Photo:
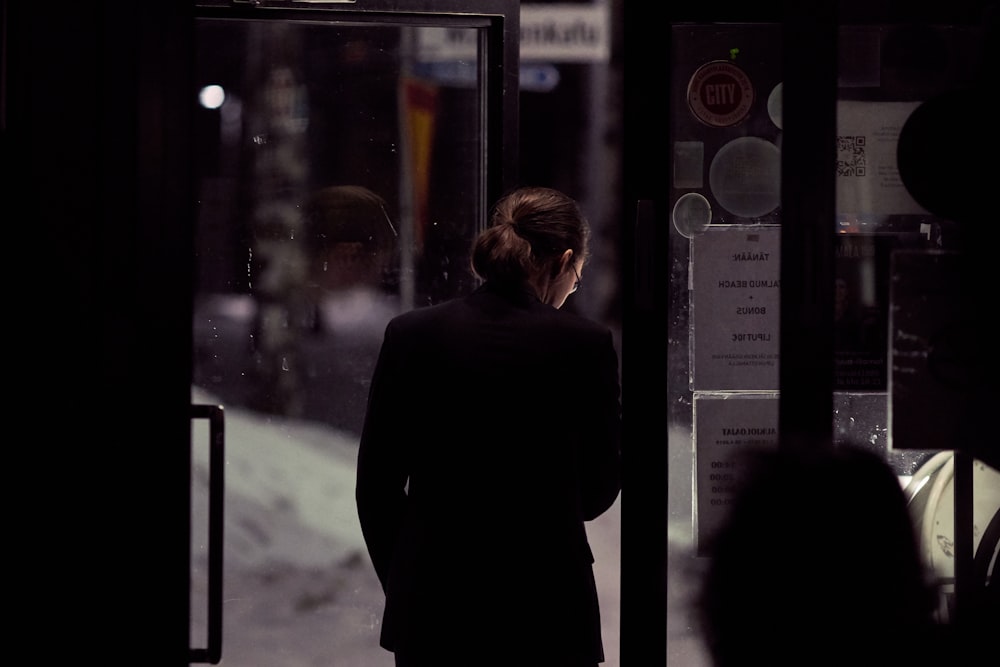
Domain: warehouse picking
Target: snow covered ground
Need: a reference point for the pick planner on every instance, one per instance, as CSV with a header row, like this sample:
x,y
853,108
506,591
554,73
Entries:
x,y
299,590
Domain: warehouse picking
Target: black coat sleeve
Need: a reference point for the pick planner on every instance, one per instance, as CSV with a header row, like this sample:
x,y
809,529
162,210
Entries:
x,y
601,466
380,490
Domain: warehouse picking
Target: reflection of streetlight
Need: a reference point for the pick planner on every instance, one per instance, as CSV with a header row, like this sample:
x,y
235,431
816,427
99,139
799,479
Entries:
x,y
212,96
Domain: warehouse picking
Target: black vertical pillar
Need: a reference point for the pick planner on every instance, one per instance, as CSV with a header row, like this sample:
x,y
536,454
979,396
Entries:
x,y
93,112
644,337
807,229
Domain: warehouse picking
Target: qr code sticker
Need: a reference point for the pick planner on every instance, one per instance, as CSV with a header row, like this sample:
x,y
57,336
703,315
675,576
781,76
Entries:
x,y
851,155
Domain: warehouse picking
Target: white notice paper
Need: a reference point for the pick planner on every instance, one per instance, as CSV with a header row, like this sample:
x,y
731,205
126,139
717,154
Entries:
x,y
736,286
868,181
724,426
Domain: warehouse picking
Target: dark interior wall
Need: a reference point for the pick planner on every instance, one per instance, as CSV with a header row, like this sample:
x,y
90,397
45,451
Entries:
x,y
93,199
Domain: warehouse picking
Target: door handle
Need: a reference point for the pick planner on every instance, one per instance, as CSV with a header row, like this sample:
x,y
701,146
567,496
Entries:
x,y
216,495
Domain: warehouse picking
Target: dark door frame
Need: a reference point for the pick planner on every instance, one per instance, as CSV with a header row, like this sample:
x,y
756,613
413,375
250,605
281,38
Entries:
x,y
96,146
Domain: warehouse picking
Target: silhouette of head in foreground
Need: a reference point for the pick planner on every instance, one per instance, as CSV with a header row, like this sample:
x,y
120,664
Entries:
x,y
817,564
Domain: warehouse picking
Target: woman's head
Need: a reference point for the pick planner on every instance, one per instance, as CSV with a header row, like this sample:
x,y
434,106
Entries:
x,y
537,236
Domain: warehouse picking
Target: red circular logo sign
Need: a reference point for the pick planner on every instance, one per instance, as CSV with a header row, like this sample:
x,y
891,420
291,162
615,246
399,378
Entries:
x,y
720,94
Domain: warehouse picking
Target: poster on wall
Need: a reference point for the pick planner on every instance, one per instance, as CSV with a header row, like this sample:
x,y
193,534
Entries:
x,y
735,296
724,426
868,181
931,363
861,312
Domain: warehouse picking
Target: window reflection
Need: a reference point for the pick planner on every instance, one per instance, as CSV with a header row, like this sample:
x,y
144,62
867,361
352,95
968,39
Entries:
x,y
330,199
885,73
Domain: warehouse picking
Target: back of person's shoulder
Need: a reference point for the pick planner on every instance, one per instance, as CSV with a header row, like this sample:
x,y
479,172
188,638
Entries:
x,y
582,322
423,316
579,327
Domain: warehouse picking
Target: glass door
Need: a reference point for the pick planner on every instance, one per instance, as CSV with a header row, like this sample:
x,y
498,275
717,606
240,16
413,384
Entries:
x,y
345,156
761,249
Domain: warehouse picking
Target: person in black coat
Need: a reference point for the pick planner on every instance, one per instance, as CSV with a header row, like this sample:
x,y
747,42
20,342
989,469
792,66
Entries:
x,y
492,434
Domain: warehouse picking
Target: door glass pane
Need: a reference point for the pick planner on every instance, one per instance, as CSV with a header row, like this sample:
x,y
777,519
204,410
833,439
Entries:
x,y
725,242
339,183
909,255
895,281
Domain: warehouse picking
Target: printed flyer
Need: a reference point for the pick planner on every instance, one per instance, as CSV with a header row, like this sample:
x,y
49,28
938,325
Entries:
x,y
931,366
735,296
861,312
868,179
725,425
